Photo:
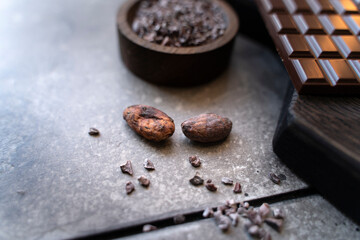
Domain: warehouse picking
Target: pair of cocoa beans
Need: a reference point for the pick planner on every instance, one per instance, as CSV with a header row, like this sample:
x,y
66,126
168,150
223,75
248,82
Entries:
x,y
155,125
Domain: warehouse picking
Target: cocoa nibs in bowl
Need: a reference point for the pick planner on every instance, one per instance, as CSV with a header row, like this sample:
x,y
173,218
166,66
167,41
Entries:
x,y
179,23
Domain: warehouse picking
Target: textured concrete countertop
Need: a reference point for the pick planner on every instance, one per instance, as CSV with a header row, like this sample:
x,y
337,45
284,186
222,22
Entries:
x,y
60,73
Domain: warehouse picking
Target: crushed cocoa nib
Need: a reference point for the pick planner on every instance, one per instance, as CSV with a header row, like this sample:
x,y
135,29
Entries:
x,y
231,203
196,180
278,213
210,186
254,217
127,168
275,223
264,210
237,188
148,165
148,228
129,187
223,222
254,231
94,132
179,23
227,181
195,161
144,181
234,219
208,212
230,211
274,178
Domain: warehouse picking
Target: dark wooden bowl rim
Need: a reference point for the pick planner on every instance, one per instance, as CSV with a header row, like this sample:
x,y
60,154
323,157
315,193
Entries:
x,y
125,28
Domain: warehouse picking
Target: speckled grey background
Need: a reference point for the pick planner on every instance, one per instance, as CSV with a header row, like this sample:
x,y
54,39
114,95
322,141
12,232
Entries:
x,y
60,74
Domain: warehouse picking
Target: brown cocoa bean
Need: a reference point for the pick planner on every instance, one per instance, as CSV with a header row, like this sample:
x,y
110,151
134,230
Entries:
x,y
207,127
149,122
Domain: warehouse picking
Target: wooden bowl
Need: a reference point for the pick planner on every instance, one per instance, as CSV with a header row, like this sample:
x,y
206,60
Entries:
x,y
174,66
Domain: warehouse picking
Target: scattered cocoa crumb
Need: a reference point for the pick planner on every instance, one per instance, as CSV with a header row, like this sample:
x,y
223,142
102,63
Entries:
x,y
149,228
234,218
237,188
274,178
196,180
210,186
227,181
231,203
208,212
223,222
144,181
127,168
195,161
179,219
148,165
246,194
93,132
230,211
129,187
278,213
264,210
275,223
254,217
254,231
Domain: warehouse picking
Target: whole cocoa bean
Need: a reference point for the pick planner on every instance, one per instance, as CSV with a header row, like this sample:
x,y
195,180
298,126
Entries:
x,y
149,122
207,127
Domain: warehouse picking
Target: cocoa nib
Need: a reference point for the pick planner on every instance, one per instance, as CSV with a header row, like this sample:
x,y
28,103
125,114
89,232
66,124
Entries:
x,y
274,178
94,132
264,210
148,228
275,223
254,217
278,213
227,181
223,222
149,165
210,186
127,168
179,219
144,181
179,23
129,187
254,231
195,161
246,205
234,218
196,180
237,188
208,212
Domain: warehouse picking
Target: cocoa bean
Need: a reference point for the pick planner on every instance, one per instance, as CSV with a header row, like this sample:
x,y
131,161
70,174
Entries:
x,y
207,127
149,122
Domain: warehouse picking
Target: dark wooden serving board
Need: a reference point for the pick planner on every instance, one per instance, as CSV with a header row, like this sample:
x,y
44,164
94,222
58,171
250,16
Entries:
x,y
319,139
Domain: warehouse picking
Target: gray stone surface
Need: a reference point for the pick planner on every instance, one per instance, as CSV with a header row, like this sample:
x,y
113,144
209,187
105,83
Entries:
x,y
306,218
60,74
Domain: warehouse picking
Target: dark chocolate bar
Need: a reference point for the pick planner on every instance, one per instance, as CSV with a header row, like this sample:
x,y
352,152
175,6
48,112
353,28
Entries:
x,y
318,41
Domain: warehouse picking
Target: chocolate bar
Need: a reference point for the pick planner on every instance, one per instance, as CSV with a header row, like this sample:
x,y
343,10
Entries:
x,y
318,41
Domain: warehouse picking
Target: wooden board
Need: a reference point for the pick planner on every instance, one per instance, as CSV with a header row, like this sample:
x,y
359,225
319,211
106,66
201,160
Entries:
x,y
319,139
